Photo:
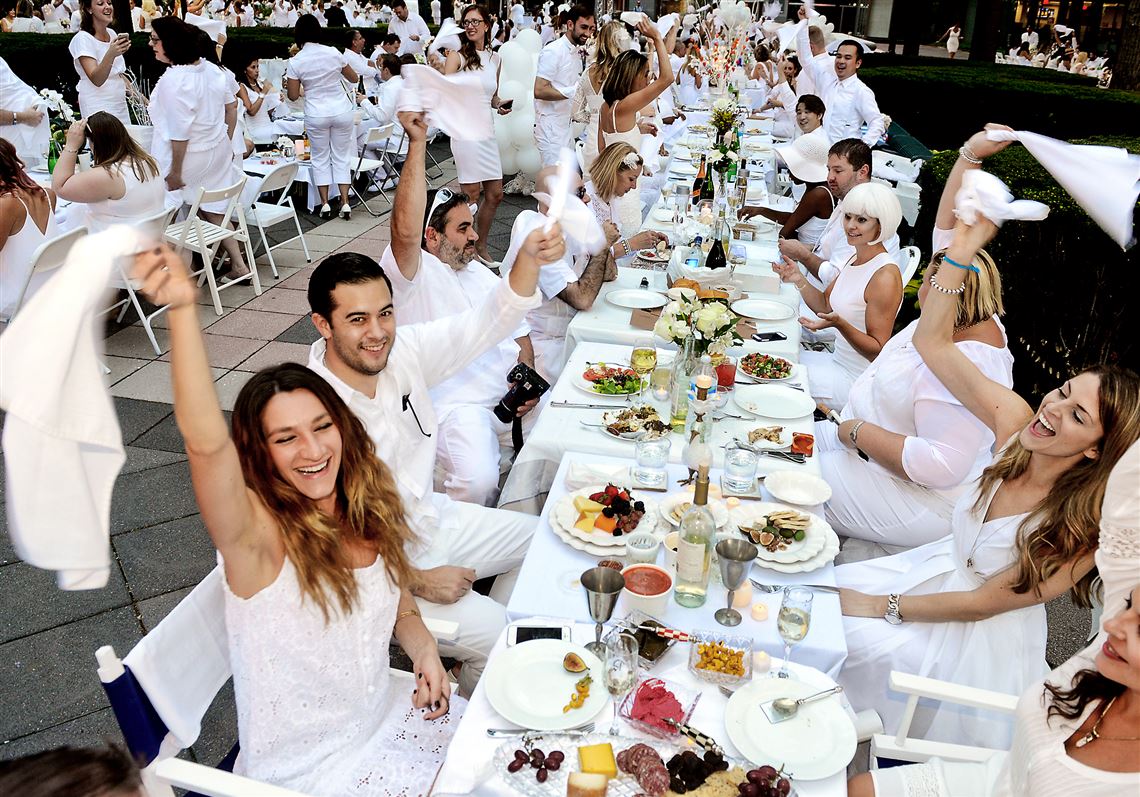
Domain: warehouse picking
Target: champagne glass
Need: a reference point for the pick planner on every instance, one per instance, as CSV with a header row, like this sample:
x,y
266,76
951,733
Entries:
x,y
620,663
793,621
643,361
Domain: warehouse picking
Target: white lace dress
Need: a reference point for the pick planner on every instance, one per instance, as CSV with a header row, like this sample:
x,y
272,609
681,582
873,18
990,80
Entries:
x,y
317,709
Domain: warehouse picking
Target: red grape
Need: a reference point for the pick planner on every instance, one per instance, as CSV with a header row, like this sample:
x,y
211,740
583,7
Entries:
x,y
768,773
516,765
541,775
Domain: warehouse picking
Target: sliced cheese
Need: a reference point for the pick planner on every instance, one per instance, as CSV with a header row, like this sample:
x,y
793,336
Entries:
x,y
598,759
586,784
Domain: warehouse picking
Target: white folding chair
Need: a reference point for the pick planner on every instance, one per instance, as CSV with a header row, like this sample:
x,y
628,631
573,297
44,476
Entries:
x,y
162,689
266,214
913,257
376,138
908,194
580,151
153,228
205,238
48,256
901,747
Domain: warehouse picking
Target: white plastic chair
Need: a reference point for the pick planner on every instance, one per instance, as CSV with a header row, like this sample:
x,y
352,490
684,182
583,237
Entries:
x,y
153,228
170,677
901,747
913,257
266,214
908,195
48,256
377,138
205,238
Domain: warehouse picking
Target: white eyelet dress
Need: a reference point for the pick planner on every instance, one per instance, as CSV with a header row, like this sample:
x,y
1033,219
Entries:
x,y
478,161
317,709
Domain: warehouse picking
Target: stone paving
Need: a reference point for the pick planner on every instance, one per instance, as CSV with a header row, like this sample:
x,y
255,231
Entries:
x,y
49,692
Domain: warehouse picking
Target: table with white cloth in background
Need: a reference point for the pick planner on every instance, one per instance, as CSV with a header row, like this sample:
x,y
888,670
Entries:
x,y
548,582
259,164
468,768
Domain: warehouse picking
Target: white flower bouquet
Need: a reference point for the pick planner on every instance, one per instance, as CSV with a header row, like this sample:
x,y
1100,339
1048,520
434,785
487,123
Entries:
x,y
709,321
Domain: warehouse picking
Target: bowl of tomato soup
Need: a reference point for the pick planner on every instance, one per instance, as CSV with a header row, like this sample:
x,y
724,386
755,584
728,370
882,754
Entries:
x,y
647,588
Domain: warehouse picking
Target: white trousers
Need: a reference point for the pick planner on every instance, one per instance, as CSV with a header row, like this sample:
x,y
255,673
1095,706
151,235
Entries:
x,y
333,146
551,134
491,542
872,505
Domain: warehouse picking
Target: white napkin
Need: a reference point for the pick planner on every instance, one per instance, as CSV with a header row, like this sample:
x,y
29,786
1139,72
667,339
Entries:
x,y
983,194
666,23
632,18
689,20
580,227
454,103
787,33
1105,181
215,28
62,445
580,475
648,150
448,36
773,10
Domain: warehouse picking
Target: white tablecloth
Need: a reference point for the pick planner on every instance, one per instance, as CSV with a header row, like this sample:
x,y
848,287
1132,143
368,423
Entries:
x,y
548,585
468,768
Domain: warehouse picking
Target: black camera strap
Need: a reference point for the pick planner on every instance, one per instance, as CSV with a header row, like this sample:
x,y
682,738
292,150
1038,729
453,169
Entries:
x,y
516,436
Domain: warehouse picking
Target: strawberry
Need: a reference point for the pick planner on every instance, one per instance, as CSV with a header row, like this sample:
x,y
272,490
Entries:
x,y
611,490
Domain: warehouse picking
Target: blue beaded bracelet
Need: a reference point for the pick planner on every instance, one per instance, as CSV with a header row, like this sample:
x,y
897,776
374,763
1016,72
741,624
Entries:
x,y
972,268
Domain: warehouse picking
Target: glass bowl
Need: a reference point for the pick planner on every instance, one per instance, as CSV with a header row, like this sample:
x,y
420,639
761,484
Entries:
x,y
686,696
734,644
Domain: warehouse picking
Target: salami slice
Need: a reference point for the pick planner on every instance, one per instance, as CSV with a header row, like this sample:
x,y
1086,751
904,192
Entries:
x,y
655,780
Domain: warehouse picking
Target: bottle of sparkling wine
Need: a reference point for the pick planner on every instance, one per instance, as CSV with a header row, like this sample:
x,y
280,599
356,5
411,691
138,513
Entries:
x,y
694,551
718,257
699,182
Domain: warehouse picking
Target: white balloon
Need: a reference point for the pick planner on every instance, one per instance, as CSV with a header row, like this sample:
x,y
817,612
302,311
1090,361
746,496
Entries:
x,y
521,125
513,90
509,160
530,40
516,61
529,161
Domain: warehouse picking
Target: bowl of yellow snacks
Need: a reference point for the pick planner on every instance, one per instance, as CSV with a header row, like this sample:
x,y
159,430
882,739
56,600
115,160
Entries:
x,y
720,658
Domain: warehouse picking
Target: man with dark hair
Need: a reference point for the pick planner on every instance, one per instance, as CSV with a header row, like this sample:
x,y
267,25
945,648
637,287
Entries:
x,y
385,378
390,43
850,103
560,65
410,27
335,17
365,68
80,771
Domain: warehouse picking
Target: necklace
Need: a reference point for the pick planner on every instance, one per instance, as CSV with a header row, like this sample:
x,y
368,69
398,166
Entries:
x,y
969,326
1093,733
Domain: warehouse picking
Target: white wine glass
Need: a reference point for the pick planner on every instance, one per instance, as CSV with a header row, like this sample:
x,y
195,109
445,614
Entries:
x,y
643,360
620,665
793,621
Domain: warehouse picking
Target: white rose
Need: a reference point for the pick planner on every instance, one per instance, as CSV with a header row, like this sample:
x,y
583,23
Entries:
x,y
708,319
680,329
663,329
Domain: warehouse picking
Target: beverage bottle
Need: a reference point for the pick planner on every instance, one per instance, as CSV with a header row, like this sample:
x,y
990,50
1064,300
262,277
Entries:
x,y
708,188
699,182
703,378
694,550
718,257
679,385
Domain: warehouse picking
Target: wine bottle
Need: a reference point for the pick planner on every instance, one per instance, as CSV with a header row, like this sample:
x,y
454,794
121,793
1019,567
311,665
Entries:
x,y
718,257
708,189
699,182
694,549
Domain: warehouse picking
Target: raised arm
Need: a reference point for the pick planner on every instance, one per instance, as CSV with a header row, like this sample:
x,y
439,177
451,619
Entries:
x,y
978,148
411,197
94,185
643,97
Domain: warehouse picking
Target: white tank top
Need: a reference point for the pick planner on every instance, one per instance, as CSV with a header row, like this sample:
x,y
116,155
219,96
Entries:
x,y
810,231
847,300
631,136
16,259
143,199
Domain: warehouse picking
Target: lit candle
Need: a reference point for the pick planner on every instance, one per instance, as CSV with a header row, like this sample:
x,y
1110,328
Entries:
x,y
743,596
759,612
761,662
705,381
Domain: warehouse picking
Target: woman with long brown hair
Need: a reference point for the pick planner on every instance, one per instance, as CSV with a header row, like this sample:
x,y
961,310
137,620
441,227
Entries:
x,y
27,219
969,608
612,40
477,163
124,187
312,535
97,52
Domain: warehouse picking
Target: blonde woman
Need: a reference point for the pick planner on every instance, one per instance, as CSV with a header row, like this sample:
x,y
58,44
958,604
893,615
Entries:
x,y
614,175
612,41
145,14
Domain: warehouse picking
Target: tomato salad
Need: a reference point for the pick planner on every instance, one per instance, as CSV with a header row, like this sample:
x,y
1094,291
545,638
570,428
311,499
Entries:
x,y
612,380
764,366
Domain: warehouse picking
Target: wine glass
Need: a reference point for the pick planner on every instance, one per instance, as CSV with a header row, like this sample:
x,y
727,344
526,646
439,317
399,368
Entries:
x,y
602,586
793,621
643,360
620,664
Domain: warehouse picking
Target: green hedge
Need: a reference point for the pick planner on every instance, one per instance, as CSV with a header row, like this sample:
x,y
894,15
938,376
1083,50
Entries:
x,y
1069,289
941,103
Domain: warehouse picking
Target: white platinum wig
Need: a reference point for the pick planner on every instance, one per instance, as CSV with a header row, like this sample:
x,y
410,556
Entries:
x,y
875,201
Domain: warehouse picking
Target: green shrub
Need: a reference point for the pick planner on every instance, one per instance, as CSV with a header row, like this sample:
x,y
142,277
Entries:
x,y
941,104
1068,290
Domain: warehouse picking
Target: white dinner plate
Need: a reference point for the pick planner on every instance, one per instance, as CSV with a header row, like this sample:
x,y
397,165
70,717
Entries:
x,y
815,744
765,380
578,545
798,487
565,513
807,548
765,445
652,255
683,169
528,686
825,556
636,299
773,401
719,509
582,383
663,215
763,309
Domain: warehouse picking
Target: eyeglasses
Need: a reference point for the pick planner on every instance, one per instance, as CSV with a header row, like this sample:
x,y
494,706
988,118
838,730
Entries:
x,y
154,39
473,23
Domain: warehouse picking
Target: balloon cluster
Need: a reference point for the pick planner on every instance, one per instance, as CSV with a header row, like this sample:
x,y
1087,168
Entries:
x,y
514,132
734,14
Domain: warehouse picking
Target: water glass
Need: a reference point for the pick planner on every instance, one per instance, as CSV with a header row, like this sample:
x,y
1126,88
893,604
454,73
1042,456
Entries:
x,y
651,457
740,469
641,548
620,665
737,257
793,621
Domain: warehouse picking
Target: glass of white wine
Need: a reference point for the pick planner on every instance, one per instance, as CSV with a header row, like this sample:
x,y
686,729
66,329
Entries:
x,y
643,360
620,664
793,621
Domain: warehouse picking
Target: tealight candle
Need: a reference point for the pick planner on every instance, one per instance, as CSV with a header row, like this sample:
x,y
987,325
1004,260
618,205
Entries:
x,y
704,380
761,661
759,612
743,596
731,503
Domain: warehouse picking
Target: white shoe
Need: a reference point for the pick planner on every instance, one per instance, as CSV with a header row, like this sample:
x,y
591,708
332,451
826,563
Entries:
x,y
390,183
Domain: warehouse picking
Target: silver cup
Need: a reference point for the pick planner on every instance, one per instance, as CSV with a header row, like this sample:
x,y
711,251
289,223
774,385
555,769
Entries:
x,y
603,586
735,557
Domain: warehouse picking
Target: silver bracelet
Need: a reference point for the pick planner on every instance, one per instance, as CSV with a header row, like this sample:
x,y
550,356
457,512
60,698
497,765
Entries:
x,y
968,156
934,284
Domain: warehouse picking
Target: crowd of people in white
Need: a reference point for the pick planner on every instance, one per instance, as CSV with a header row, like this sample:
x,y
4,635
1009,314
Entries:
x,y
356,495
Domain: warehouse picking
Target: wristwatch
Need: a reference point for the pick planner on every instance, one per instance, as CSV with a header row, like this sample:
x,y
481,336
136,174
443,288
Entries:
x,y
893,616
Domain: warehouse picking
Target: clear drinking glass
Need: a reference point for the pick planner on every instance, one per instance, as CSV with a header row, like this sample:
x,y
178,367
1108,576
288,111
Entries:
x,y
643,360
793,621
737,257
651,457
620,664
740,469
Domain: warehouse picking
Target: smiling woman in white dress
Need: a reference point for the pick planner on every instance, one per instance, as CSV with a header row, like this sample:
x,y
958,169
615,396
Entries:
x,y
259,100
311,536
969,608
612,40
480,171
97,52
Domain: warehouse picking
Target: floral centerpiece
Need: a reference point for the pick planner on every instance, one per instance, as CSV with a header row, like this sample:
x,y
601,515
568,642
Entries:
x,y
723,117
708,321
60,117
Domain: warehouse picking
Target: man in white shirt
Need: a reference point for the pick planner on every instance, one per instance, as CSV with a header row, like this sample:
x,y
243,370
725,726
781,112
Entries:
x,y
850,103
560,65
410,27
435,11
384,376
442,279
365,68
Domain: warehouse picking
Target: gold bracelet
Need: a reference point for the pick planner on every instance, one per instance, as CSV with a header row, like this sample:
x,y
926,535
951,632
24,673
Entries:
x,y
408,613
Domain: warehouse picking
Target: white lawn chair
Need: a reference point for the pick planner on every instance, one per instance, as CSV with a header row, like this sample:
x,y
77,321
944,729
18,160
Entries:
x,y
901,747
377,138
913,257
266,214
48,256
160,692
152,228
205,238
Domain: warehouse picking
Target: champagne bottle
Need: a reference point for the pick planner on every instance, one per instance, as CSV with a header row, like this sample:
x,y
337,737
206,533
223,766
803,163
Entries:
x,y
708,190
694,550
699,182
718,257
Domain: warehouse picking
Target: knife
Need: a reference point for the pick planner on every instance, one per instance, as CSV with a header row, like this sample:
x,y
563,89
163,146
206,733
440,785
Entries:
x,y
578,406
703,740
515,733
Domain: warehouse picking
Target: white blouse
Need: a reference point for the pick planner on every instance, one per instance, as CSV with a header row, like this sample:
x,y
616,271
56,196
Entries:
x,y
189,104
112,95
319,67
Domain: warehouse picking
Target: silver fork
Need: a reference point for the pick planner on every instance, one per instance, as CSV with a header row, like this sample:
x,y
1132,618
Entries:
x,y
500,733
770,589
